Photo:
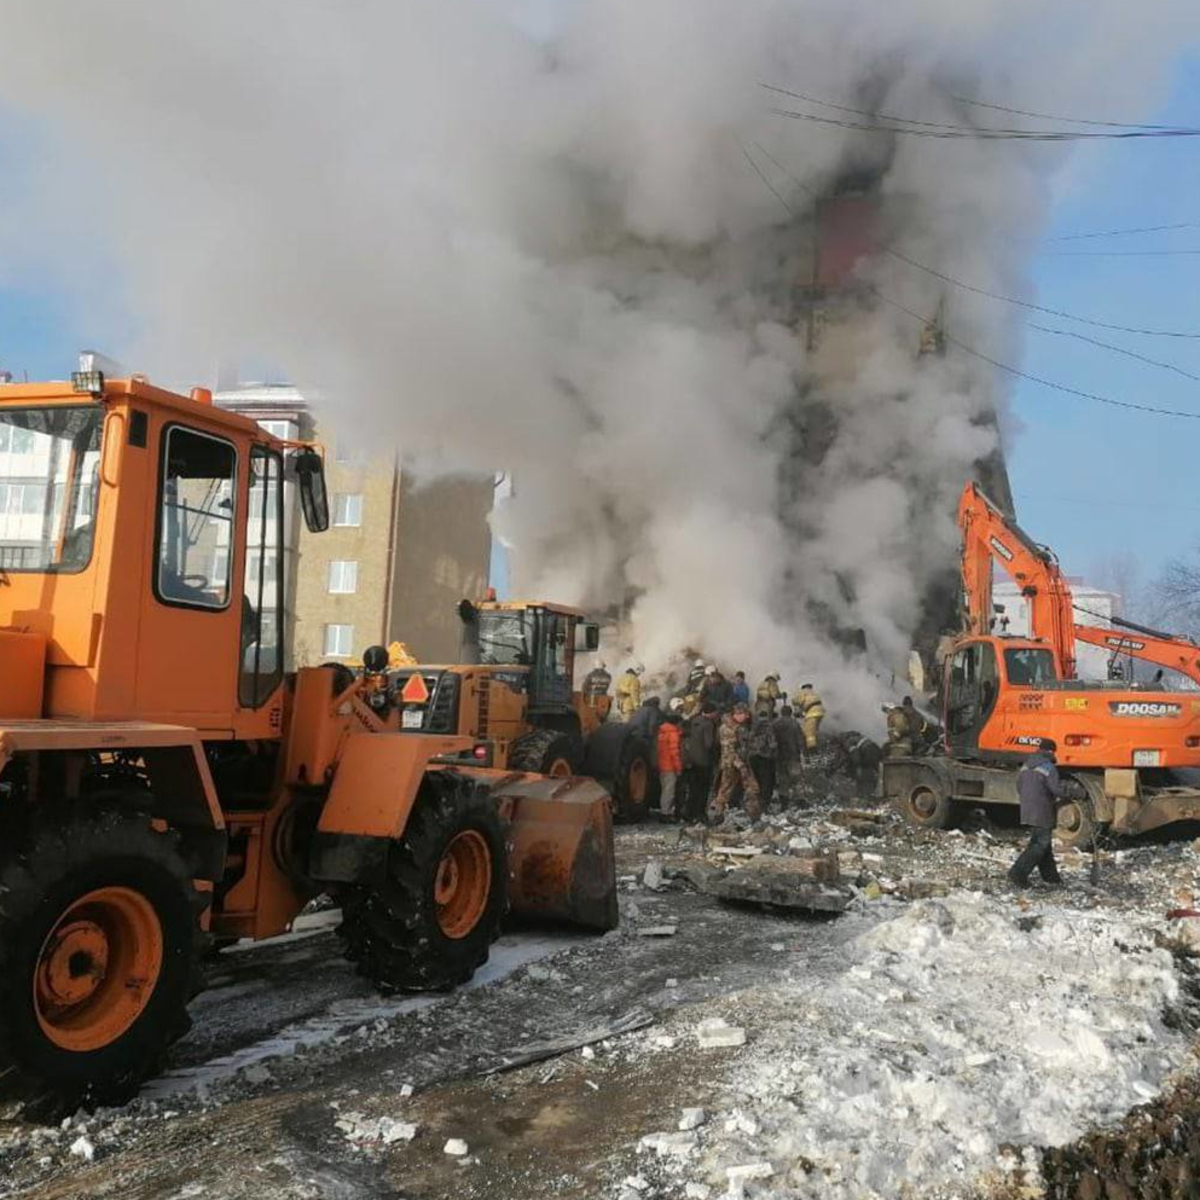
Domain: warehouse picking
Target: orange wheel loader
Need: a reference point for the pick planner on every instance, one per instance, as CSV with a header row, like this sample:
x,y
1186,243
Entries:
x,y
1119,741
164,783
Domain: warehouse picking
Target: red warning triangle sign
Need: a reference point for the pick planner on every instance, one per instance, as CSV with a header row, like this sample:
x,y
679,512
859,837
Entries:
x,y
415,691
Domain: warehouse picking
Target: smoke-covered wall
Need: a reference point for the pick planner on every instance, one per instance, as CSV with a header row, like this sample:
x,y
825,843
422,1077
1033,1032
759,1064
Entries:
x,y
540,245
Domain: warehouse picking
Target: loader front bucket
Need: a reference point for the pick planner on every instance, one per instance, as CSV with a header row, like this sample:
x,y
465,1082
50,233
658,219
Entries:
x,y
562,865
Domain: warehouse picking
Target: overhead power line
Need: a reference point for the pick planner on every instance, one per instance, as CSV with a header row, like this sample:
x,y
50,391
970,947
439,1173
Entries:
x,y
1082,337
1177,253
884,248
1079,237
876,122
1040,116
1008,369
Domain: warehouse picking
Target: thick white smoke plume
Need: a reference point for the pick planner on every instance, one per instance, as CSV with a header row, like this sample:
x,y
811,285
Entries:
x,y
537,244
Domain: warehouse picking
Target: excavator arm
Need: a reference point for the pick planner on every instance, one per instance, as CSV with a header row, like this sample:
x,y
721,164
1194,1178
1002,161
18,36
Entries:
x,y
1149,645
989,536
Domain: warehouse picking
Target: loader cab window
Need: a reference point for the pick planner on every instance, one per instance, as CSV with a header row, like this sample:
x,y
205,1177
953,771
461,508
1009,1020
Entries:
x,y
1027,667
550,680
49,484
262,598
504,639
195,521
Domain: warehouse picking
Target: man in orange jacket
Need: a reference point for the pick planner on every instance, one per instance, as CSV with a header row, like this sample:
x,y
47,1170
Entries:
x,y
670,760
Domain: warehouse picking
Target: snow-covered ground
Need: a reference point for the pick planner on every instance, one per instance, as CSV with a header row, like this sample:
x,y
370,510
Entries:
x,y
919,1048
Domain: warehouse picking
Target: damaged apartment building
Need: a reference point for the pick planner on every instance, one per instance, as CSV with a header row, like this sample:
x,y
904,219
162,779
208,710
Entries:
x,y
398,556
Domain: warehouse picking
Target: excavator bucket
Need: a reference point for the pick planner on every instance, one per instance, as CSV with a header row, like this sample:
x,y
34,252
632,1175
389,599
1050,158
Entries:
x,y
562,865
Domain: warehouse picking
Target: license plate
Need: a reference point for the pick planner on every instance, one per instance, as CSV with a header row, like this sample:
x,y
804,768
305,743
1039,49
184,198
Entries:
x,y
1147,758
414,718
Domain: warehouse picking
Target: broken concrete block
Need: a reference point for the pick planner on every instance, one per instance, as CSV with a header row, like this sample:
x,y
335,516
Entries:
x,y
741,1175
716,1033
740,1122
697,1191
692,1118
652,876
777,882
82,1148
658,930
922,889
406,1090
663,1041
455,1147
670,1145
588,1052
671,983
822,865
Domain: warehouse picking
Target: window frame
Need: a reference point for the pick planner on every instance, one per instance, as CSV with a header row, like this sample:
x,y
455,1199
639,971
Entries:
x,y
341,562
164,443
325,651
335,523
274,678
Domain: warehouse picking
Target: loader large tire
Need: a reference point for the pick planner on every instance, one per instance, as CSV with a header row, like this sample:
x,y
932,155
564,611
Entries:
x,y
624,763
100,950
425,922
545,752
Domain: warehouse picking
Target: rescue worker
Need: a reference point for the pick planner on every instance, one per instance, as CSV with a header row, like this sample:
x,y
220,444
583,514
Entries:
x,y
647,719
717,690
899,729
768,692
1039,786
812,713
733,738
597,682
695,677
789,742
741,689
670,761
699,749
764,752
629,692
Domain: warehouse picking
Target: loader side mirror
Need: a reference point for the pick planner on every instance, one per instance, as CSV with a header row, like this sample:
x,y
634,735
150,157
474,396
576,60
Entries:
x,y
591,634
468,614
314,498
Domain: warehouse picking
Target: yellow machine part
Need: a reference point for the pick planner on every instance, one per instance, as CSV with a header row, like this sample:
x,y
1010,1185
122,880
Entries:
x,y
23,672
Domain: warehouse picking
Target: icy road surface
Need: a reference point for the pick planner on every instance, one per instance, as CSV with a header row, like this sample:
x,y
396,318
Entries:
x,y
904,1047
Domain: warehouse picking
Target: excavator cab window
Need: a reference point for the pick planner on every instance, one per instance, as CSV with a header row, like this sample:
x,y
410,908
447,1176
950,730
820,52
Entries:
x,y
1029,667
971,696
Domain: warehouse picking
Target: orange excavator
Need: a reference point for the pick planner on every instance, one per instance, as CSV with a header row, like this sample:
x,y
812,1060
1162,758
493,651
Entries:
x,y
1002,694
1126,639
165,781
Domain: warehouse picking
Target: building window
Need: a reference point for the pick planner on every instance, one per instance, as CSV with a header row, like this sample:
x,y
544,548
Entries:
x,y
347,509
339,641
343,577
284,430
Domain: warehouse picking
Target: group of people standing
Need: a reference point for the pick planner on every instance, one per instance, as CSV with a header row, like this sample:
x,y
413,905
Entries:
x,y
714,739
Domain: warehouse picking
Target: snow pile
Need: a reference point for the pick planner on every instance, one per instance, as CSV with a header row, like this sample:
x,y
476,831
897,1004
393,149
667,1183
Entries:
x,y
961,1026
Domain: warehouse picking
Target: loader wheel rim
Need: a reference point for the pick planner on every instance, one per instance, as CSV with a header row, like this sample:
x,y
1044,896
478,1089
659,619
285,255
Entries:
x,y
639,780
560,768
1070,818
98,968
463,883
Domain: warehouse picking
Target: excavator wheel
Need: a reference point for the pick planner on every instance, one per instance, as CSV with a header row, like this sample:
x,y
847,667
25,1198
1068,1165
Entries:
x,y
545,752
100,946
927,805
1076,826
426,921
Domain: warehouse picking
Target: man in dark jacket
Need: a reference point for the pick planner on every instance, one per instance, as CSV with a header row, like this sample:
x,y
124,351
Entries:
x,y
717,691
1039,787
699,753
764,751
646,720
789,740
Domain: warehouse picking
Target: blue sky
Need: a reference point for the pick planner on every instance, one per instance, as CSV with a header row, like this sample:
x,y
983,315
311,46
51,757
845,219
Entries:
x,y
1092,481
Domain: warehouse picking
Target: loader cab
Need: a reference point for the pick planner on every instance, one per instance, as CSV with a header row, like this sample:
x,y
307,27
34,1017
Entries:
x,y
543,638
141,541
976,673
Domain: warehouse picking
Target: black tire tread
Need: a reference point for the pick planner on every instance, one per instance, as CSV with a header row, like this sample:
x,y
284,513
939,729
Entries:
x,y
60,843
536,750
389,928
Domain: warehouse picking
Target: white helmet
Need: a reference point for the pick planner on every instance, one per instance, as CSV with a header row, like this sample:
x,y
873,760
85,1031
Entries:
x,y
710,669
676,704
699,663
639,669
